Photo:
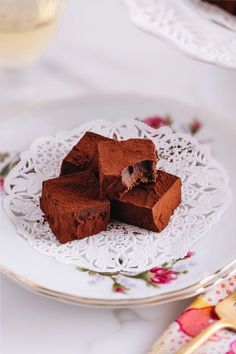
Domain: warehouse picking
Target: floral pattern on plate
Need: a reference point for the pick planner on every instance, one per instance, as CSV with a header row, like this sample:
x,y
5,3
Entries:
x,y
156,276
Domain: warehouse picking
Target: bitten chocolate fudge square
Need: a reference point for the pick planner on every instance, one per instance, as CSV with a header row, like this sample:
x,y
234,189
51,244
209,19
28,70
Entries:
x,y
72,208
84,155
149,206
125,164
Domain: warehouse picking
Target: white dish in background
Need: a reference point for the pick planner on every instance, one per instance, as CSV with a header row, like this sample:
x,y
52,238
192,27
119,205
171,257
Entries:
x,y
66,282
201,31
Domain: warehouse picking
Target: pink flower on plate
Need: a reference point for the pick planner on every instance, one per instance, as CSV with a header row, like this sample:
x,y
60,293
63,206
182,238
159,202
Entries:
x,y
195,126
156,121
119,290
162,275
189,254
1,183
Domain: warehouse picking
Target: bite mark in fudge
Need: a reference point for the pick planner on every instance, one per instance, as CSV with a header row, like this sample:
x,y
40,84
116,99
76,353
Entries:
x,y
72,208
149,206
125,164
83,156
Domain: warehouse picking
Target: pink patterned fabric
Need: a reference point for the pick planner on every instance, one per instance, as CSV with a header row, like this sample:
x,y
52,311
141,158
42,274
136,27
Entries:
x,y
194,319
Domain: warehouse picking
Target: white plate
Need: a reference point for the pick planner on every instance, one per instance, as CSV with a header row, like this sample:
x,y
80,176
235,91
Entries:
x,y
201,31
65,282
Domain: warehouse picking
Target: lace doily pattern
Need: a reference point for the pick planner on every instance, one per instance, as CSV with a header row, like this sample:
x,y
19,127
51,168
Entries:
x,y
185,24
122,247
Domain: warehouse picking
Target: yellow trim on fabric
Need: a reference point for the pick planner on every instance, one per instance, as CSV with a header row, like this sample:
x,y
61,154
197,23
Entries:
x,y
199,303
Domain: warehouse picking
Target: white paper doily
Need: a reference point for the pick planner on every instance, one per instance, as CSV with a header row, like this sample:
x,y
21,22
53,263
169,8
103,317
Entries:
x,y
205,194
182,24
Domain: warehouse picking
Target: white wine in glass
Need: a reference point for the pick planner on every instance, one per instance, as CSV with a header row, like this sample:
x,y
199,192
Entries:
x,y
26,27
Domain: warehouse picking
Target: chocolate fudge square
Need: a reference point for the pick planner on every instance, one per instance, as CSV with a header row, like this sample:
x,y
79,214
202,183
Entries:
x,y
72,208
125,164
149,206
83,156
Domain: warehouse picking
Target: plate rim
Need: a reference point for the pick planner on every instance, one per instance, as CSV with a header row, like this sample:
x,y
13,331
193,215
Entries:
x,y
189,291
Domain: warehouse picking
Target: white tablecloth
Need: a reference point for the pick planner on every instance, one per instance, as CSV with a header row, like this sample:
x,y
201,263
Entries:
x,y
97,49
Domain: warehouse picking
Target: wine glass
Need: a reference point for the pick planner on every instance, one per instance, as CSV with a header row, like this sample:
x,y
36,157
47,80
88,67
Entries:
x,y
26,27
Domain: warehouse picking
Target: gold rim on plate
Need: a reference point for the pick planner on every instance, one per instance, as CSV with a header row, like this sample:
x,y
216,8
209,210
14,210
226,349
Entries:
x,y
189,291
